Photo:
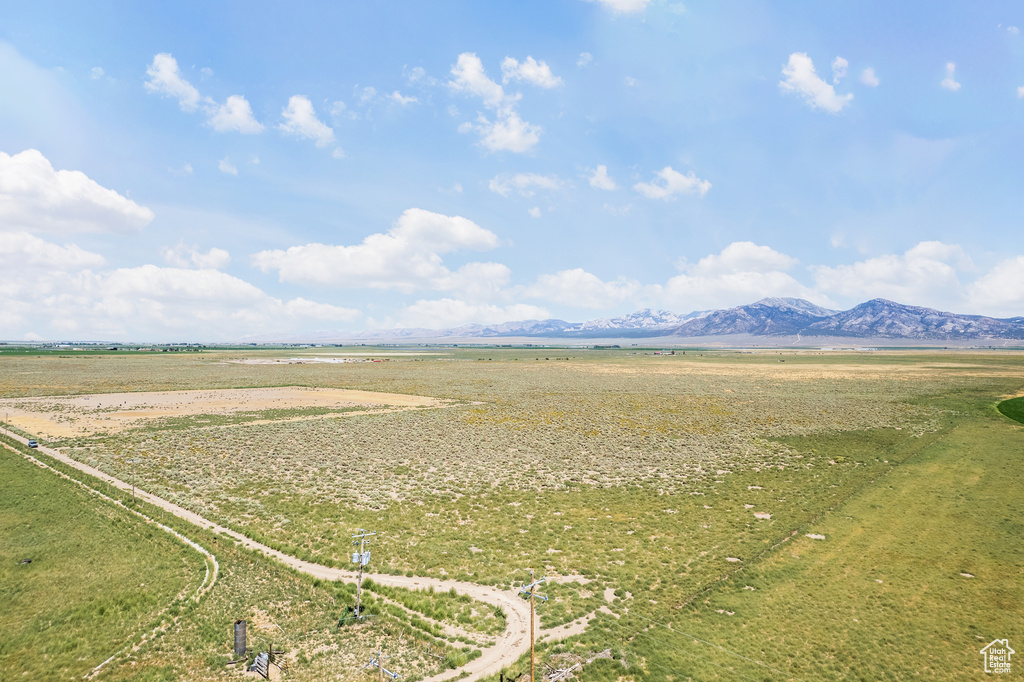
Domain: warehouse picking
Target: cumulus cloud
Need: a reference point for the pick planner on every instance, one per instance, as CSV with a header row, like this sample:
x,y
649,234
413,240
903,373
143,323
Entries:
x,y
534,212
67,298
584,60
166,79
300,121
97,72
23,250
449,312
234,115
36,198
406,258
508,131
800,77
949,82
1000,291
623,6
669,183
526,184
868,78
742,272
227,167
925,275
397,97
577,287
530,70
599,179
1012,30
184,256
839,69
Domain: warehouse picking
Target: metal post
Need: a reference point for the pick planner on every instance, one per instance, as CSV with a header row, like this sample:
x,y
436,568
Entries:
x,y
530,591
532,619
362,535
380,661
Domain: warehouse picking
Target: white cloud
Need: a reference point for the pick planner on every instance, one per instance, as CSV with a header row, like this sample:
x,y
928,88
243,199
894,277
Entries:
x,y
234,115
534,212
184,256
801,78
577,287
301,308
599,179
448,312
839,69
338,108
949,82
36,198
149,303
165,79
584,60
186,169
508,131
743,272
524,183
338,153
623,6
227,167
868,78
530,70
300,120
672,183
96,72
406,258
469,76
23,250
396,96
629,82
367,94
1012,30
1000,291
924,275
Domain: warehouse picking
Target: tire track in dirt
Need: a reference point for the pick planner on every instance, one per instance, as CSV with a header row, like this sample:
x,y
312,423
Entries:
x,y
509,646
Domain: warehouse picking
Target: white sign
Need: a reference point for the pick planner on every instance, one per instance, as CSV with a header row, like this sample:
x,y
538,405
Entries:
x,y
997,656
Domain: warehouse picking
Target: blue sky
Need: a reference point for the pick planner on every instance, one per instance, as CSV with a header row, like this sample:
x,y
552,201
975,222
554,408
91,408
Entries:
x,y
213,171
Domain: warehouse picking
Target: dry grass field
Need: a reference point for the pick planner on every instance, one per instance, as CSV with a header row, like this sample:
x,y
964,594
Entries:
x,y
678,488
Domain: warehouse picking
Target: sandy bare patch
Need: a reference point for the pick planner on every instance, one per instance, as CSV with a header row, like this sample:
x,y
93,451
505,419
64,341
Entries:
x,y
816,536
80,415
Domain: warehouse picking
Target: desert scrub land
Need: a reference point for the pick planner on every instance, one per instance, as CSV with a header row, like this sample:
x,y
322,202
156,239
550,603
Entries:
x,y
661,483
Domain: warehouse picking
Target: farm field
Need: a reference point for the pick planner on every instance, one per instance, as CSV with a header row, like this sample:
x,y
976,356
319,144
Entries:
x,y
752,500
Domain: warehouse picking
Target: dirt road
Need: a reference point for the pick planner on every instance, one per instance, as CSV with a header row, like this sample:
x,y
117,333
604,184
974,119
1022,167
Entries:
x,y
507,649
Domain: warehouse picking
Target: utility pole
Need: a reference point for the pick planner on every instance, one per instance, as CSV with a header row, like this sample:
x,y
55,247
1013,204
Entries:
x,y
362,557
530,591
378,662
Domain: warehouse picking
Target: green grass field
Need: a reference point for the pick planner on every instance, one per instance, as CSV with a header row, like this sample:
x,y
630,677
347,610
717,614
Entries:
x,y
1013,408
98,575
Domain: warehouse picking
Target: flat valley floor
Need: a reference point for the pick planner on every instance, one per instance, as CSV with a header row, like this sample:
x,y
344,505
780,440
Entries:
x,y
766,515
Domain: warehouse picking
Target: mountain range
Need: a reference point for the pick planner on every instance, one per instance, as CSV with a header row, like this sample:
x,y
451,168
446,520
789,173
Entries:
x,y
770,317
